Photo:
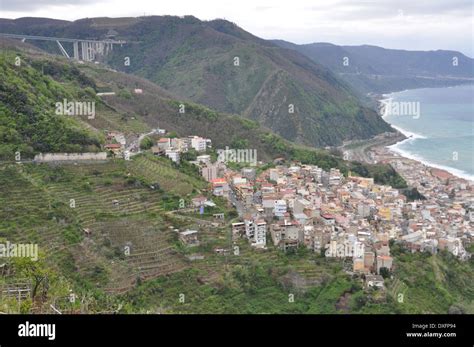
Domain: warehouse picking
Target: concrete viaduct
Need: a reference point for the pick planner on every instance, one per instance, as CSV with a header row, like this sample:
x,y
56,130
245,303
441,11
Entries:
x,y
85,50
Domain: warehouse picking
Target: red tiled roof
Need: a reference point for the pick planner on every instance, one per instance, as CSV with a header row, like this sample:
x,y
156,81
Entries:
x,y
113,145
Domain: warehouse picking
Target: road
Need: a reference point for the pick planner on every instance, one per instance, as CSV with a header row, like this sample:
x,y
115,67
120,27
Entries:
x,y
134,146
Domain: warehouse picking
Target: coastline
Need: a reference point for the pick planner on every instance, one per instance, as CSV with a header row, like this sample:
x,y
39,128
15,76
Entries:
x,y
410,136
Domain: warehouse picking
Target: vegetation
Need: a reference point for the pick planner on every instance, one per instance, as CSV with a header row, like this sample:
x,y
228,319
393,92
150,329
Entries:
x,y
28,121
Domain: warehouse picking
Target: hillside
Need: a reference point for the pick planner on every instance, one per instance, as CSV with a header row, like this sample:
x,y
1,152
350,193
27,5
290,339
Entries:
x,y
28,121
138,113
379,70
195,60
133,205
34,207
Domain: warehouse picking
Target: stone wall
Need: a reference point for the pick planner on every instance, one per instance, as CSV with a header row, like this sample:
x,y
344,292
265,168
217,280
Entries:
x,y
49,157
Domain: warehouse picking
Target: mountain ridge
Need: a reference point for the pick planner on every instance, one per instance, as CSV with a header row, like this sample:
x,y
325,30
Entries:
x,y
369,68
194,60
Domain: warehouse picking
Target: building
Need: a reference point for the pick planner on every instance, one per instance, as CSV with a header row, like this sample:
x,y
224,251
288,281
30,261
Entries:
x,y
173,155
220,187
260,236
179,144
164,143
274,175
115,148
358,265
279,208
189,237
384,261
204,159
238,229
249,229
209,172
372,281
249,173
198,143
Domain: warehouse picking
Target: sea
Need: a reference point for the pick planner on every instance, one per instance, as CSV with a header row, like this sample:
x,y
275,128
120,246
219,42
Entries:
x,y
438,124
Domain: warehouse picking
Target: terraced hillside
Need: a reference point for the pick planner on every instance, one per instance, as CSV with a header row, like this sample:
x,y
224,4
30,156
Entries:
x,y
93,214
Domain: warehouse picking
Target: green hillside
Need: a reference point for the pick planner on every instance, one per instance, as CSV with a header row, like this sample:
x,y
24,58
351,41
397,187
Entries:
x,y
28,122
196,61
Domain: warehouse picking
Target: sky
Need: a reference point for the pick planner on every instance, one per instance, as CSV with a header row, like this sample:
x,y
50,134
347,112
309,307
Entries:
x,y
402,24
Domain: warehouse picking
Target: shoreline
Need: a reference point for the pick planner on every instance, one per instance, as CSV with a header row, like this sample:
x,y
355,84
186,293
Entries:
x,y
410,136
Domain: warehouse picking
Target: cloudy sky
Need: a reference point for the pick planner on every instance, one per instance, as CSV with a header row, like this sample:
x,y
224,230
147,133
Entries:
x,y
406,24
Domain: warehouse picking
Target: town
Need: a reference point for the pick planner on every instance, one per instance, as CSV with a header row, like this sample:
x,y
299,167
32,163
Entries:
x,y
290,205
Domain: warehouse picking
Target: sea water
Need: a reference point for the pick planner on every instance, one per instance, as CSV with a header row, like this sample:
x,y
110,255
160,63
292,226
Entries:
x,y
439,124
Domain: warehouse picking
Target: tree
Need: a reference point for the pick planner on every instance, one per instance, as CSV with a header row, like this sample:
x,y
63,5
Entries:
x,y
146,143
384,272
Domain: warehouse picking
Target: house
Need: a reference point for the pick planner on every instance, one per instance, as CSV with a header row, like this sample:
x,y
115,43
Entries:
x,y
384,261
157,150
279,208
199,201
189,237
115,148
204,159
173,155
209,172
260,235
164,143
238,229
328,219
220,187
374,281
287,234
198,143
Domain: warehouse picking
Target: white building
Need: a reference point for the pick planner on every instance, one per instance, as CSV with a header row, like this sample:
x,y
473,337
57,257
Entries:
x,y
274,175
260,237
335,177
280,208
173,155
198,143
205,158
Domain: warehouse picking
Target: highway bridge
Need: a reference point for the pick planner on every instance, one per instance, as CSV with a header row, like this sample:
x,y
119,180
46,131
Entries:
x,y
83,49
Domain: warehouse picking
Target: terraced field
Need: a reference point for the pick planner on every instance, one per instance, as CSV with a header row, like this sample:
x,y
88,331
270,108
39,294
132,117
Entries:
x,y
160,170
54,206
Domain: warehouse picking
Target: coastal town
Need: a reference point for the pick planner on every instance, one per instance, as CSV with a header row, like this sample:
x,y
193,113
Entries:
x,y
291,205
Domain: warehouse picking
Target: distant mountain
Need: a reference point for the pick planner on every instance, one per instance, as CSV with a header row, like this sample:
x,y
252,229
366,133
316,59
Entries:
x,y
218,64
380,70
